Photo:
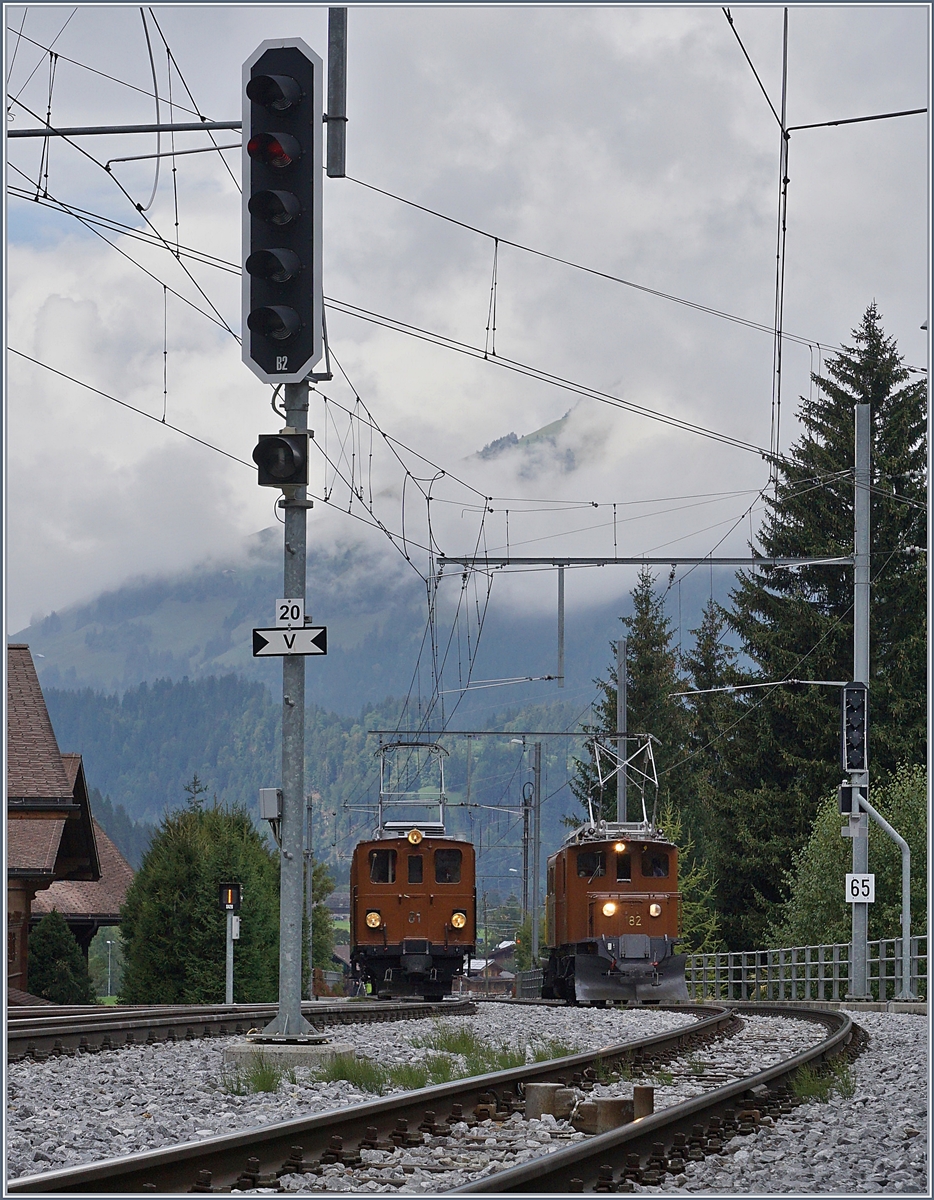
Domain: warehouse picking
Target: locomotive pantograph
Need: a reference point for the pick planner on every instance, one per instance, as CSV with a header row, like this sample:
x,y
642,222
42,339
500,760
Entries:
x,y
412,886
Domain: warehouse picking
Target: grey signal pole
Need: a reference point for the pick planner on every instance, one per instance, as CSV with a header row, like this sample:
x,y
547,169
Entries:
x,y
228,982
289,1020
622,683
536,847
859,974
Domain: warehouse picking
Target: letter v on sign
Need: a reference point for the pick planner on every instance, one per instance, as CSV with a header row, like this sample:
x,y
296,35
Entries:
x,y
277,643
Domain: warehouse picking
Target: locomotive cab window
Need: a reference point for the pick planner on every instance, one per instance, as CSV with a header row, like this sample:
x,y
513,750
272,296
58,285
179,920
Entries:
x,y
448,866
623,868
654,865
382,866
590,863
415,868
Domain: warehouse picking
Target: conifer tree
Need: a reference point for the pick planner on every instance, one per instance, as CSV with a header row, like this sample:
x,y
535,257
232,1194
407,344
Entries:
x,y
712,718
174,931
797,622
57,969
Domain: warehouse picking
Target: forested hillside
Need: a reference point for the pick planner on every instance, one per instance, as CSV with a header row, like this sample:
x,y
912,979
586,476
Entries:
x,y
141,749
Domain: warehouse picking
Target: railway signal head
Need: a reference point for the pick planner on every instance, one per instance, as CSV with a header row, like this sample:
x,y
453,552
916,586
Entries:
x,y
230,894
282,459
854,727
282,164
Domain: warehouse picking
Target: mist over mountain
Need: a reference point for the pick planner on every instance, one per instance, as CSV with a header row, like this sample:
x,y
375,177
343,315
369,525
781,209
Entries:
x,y
198,624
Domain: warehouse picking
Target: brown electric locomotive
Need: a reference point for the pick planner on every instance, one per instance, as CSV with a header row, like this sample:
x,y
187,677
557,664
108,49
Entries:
x,y
614,917
413,910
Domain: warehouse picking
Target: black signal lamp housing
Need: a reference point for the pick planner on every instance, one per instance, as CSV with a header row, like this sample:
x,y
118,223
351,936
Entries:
x,y
282,459
278,92
275,207
230,895
280,265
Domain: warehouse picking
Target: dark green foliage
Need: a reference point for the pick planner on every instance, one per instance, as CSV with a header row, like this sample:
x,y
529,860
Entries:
x,y
784,755
700,921
712,718
56,969
130,837
815,911
173,930
322,928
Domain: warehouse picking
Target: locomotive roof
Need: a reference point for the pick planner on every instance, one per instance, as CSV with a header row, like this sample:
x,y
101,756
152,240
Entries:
x,y
611,831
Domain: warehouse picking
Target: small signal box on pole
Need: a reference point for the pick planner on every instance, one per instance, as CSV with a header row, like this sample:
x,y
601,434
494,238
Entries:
x,y
230,895
283,152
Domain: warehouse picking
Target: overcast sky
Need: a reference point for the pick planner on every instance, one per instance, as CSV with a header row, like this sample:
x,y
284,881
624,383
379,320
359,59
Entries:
x,y
631,140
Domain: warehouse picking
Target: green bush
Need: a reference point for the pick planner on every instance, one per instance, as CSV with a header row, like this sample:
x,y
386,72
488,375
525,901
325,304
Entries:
x,y
56,968
815,911
174,932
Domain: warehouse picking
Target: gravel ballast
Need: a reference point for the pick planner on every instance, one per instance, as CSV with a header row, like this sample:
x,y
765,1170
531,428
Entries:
x,y
68,1111
874,1142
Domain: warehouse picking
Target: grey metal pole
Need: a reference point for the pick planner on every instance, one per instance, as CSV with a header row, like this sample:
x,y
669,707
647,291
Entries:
x,y
228,989
621,686
906,992
536,847
859,949
561,627
337,92
309,896
526,814
289,1019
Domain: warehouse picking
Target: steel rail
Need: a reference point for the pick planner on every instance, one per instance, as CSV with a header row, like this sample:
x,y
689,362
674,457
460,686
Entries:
x,y
582,1166
177,1169
88,1028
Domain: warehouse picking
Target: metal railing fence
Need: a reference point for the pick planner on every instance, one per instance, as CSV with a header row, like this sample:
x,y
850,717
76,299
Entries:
x,y
791,973
805,972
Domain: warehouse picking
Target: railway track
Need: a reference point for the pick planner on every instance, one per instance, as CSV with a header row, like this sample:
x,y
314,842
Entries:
x,y
43,1032
256,1157
645,1151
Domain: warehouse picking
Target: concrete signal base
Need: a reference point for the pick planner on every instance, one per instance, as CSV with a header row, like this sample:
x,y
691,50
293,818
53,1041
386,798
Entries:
x,y
284,1054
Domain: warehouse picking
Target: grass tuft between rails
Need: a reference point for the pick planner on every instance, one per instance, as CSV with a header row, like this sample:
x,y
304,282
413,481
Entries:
x,y
259,1074
820,1083
453,1052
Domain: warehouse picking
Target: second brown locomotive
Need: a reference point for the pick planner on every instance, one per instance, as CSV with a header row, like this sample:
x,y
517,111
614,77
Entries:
x,y
614,916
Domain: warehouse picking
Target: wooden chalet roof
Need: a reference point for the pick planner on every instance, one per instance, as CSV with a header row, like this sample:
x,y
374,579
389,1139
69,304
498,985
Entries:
x,y
35,771
50,834
94,899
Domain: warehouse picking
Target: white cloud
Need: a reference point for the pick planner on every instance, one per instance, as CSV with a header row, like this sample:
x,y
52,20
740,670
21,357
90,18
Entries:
x,y
633,140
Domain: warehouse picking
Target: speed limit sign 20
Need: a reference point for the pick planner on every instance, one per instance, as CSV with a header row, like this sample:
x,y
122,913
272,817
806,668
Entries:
x,y
861,889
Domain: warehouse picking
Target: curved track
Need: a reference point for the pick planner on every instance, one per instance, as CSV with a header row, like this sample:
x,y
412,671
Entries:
x,y
41,1032
646,1150
221,1162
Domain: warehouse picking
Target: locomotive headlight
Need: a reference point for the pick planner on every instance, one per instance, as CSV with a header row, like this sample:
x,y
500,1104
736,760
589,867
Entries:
x,y
655,910
609,908
619,847
459,920
415,836
373,919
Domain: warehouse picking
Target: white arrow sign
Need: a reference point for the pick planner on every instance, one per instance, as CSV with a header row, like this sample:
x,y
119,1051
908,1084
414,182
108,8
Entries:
x,y
278,642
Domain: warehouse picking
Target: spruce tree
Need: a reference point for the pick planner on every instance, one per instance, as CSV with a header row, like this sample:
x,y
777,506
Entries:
x,y
712,717
797,622
56,968
173,930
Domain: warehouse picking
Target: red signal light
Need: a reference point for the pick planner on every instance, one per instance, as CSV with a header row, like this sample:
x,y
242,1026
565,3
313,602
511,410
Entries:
x,y
274,149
